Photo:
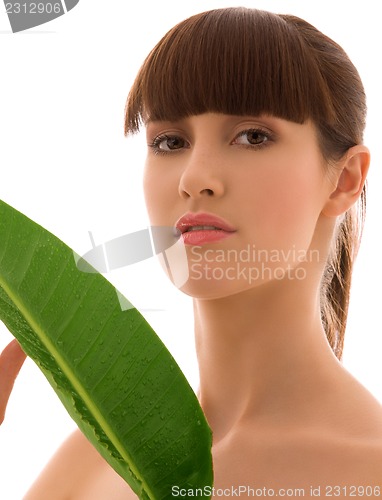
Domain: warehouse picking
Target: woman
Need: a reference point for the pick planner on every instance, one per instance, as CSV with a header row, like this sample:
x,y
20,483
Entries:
x,y
254,125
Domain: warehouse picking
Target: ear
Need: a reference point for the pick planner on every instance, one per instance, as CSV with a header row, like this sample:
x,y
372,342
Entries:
x,y
350,181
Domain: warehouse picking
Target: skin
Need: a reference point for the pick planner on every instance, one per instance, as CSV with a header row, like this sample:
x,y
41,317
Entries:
x,y
284,411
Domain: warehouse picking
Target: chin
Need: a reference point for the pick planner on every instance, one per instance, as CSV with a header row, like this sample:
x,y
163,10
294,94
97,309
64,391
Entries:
x,y
215,289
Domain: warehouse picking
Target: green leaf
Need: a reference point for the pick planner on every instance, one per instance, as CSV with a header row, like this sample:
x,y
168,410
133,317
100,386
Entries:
x,y
111,371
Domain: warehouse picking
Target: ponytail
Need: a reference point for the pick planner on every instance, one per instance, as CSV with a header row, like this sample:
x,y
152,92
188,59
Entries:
x,y
336,283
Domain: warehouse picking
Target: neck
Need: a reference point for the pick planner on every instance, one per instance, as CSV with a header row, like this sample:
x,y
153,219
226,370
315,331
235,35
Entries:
x,y
262,353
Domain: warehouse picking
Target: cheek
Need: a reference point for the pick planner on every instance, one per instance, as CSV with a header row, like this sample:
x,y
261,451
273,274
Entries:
x,y
156,191
285,206
297,210
149,194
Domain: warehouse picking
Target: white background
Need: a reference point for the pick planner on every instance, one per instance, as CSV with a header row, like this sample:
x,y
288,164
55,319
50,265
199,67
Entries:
x,y
65,163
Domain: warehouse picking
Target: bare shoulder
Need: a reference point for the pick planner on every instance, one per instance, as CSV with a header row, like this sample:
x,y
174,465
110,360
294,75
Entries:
x,y
78,472
299,458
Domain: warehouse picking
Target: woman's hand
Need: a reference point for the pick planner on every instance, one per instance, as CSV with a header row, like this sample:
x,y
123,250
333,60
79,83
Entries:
x,y
11,361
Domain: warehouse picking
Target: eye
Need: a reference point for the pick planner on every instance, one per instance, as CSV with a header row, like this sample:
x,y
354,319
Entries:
x,y
167,143
252,138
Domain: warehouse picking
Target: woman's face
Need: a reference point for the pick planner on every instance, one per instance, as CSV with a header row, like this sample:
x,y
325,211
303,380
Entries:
x,y
263,176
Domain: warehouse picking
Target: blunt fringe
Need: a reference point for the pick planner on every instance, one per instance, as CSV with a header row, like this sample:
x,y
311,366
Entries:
x,y
242,61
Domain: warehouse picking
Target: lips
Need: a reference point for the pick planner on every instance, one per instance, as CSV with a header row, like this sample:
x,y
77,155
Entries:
x,y
200,228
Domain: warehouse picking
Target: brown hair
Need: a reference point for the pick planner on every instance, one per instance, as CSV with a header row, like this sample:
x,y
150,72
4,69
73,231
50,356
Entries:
x,y
243,61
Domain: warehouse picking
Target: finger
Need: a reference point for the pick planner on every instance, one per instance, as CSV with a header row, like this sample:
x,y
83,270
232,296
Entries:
x,y
11,361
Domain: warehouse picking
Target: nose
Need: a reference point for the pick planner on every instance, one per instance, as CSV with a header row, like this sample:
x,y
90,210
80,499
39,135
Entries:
x,y
201,176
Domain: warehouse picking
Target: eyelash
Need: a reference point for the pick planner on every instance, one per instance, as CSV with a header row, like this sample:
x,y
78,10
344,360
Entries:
x,y
154,145
269,137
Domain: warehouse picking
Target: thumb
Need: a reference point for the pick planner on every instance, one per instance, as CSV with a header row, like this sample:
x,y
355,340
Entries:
x,y
11,361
